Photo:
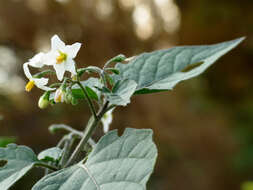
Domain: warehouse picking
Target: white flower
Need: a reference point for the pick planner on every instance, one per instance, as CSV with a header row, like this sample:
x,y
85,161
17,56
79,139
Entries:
x,y
61,56
107,120
39,82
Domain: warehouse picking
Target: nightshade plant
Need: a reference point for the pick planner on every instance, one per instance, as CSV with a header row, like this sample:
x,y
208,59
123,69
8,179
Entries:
x,y
114,162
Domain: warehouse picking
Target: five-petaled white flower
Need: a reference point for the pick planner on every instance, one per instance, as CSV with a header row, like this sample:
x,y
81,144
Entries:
x,y
39,82
61,56
107,120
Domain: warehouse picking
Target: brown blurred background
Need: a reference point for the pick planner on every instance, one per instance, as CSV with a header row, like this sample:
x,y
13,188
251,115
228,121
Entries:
x,y
203,128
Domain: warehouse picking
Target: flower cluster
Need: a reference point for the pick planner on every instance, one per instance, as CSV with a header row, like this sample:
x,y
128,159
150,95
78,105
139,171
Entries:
x,y
61,57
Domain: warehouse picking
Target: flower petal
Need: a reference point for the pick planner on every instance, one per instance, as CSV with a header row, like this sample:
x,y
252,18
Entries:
x,y
107,120
50,57
37,60
40,83
106,127
26,70
70,66
57,43
73,49
60,70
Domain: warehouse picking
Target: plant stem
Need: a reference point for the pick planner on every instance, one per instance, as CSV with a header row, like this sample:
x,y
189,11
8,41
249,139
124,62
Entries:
x,y
90,128
66,150
91,106
66,128
45,165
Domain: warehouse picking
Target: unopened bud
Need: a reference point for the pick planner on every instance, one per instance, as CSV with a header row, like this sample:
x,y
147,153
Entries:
x,y
68,96
44,100
59,95
74,101
74,77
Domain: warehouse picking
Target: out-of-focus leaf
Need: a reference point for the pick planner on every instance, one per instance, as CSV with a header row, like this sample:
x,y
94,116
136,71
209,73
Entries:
x,y
6,140
20,159
247,186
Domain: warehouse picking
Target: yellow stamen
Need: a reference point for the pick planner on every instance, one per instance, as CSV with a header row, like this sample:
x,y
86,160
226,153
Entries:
x,y
29,86
61,58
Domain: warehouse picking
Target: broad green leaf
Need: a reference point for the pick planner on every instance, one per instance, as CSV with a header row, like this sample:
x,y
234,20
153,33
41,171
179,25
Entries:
x,y
161,70
122,92
116,163
92,83
20,159
52,154
6,140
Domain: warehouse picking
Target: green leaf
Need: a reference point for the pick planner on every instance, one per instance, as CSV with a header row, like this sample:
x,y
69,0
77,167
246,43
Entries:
x,y
115,71
116,163
20,159
6,140
91,93
109,79
163,69
92,83
52,154
122,92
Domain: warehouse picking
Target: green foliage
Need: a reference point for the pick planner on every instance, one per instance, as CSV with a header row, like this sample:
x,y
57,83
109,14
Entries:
x,y
115,162
163,69
247,186
124,162
91,93
52,154
122,92
20,159
6,140
91,83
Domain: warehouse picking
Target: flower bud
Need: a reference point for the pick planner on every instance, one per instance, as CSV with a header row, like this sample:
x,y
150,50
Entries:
x,y
74,77
74,101
59,95
68,96
44,100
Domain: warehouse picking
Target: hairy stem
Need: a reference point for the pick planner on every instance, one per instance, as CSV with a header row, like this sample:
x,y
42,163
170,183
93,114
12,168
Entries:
x,y
90,128
66,128
66,150
91,106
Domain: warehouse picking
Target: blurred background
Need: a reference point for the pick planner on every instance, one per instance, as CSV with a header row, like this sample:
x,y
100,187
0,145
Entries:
x,y
203,128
